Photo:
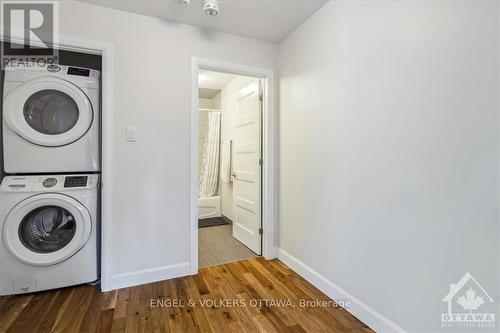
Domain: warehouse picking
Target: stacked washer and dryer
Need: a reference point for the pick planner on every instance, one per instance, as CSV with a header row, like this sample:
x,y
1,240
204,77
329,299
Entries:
x,y
49,210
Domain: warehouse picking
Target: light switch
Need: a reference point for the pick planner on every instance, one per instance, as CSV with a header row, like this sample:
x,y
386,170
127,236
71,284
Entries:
x,y
131,134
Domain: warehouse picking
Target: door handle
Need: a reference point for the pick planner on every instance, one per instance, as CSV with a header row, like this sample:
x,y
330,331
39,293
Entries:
x,y
234,175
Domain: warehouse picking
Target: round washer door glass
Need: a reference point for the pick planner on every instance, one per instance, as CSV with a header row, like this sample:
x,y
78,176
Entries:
x,y
51,112
47,229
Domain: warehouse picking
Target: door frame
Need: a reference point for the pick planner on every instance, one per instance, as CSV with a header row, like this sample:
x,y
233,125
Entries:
x,y
269,172
106,51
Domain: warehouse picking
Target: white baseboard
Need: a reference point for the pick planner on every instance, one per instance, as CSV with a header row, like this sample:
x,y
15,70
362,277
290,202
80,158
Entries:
x,y
148,275
360,310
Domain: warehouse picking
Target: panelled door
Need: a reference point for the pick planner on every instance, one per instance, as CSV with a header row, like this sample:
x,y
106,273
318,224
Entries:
x,y
247,168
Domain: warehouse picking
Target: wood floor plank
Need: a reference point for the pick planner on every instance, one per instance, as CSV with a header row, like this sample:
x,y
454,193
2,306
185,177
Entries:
x,y
245,323
119,322
175,318
186,308
55,311
94,312
221,315
263,324
226,275
161,313
36,308
200,284
72,316
147,316
105,321
238,296
11,308
201,316
343,319
110,300
237,270
281,321
133,322
318,314
310,320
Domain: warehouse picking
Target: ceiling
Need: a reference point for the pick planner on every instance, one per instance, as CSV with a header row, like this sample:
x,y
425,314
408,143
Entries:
x,y
211,83
214,80
207,93
266,20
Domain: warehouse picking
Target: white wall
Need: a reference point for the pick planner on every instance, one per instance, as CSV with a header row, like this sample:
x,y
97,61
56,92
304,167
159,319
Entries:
x,y
205,103
389,153
228,103
151,194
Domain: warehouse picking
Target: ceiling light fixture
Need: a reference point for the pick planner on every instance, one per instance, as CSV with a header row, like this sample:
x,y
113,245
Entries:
x,y
211,7
184,2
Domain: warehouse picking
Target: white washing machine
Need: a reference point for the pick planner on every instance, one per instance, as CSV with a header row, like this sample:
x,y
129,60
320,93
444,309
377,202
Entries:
x,y
51,119
49,232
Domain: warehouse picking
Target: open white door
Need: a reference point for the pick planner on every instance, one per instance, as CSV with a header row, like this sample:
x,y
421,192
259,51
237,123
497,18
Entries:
x,y
247,168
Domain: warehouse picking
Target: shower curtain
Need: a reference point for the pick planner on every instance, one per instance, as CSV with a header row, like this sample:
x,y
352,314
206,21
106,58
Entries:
x,y
209,174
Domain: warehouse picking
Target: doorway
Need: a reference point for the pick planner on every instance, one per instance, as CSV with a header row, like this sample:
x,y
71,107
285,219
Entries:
x,y
230,167
232,154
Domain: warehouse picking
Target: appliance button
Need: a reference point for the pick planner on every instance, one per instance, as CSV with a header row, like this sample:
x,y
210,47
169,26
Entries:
x,y
53,68
49,182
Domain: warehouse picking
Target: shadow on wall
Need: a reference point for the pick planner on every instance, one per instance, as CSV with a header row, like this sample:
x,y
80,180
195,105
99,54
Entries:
x,y
68,58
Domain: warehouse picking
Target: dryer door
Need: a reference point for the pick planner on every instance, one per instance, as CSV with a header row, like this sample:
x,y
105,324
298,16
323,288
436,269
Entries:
x,y
46,229
48,112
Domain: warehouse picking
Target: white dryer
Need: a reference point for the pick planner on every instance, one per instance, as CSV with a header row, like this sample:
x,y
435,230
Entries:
x,y
49,232
51,119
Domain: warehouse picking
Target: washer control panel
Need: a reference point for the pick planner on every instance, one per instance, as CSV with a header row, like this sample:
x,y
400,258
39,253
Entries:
x,y
49,183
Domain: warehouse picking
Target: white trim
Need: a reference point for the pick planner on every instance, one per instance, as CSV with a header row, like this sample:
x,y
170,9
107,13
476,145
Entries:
x,y
136,278
194,168
360,310
269,221
106,50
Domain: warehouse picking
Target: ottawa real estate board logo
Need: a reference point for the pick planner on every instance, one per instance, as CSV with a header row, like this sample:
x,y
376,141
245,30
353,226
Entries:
x,y
29,31
469,305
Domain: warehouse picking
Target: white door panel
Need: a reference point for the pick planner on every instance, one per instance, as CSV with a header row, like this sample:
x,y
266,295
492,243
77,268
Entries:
x,y
247,169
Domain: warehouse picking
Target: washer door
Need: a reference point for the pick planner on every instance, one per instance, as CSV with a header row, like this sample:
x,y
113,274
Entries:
x,y
48,112
46,229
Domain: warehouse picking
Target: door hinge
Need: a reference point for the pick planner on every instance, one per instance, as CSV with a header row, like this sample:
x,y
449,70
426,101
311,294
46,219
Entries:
x,y
261,161
261,97
261,231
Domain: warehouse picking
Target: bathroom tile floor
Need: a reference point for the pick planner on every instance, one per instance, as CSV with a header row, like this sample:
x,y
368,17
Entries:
x,y
216,245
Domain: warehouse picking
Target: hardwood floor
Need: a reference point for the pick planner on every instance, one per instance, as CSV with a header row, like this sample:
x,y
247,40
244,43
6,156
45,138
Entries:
x,y
166,306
